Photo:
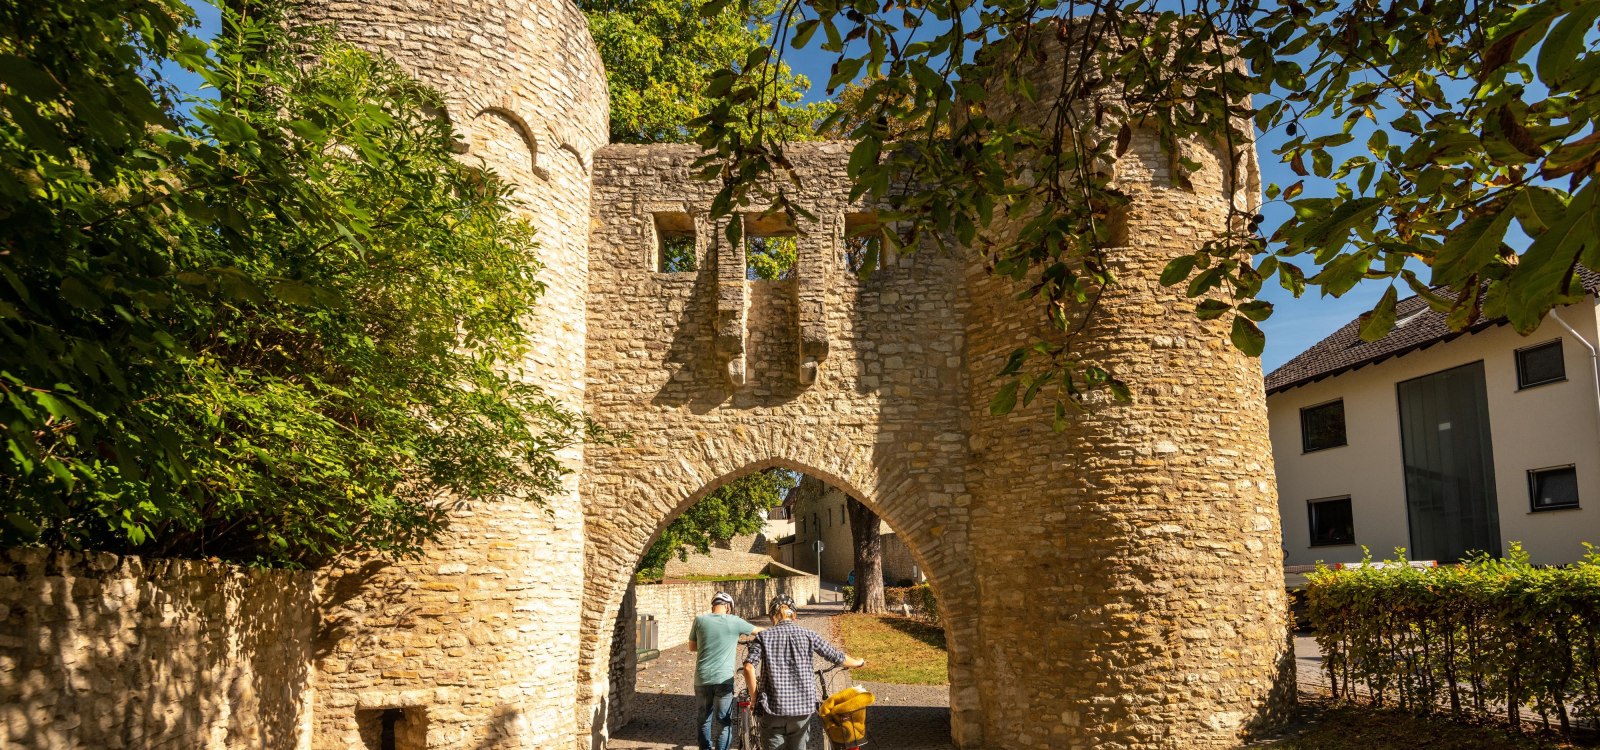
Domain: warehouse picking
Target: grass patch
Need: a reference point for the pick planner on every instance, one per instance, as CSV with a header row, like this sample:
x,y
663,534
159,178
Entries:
x,y
898,650
1323,724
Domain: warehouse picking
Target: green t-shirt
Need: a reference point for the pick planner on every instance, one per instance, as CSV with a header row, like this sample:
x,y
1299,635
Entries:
x,y
716,639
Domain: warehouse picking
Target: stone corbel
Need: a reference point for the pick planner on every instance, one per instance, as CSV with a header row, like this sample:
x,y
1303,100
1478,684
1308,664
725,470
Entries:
x,y
732,303
817,246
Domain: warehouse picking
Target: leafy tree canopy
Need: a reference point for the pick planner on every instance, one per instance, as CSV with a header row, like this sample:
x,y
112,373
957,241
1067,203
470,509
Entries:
x,y
1443,146
273,326
734,509
659,56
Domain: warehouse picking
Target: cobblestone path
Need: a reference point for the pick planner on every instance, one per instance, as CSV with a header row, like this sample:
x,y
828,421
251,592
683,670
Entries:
x,y
905,717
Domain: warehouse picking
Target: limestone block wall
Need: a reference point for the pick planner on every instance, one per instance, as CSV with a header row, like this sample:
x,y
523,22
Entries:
x,y
675,605
103,651
743,555
883,418
1131,559
478,638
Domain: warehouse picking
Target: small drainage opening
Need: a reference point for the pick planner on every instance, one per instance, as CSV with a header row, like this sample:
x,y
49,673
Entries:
x,y
393,728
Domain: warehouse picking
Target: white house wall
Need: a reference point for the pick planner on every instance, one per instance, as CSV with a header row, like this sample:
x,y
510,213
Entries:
x,y
1539,427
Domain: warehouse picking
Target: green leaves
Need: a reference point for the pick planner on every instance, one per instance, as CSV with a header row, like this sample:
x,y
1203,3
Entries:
x,y
230,329
1490,633
1377,323
1469,247
1247,336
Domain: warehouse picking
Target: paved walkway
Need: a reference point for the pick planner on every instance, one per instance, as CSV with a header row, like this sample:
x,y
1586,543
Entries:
x,y
905,717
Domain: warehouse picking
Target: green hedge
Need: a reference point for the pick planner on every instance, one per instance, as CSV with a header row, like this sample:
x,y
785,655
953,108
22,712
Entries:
x,y
1490,636
919,597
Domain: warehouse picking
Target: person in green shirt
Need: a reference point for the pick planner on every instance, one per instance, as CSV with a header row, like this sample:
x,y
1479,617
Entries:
x,y
714,639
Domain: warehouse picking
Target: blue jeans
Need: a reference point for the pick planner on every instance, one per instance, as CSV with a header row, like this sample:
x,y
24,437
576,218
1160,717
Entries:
x,y
715,701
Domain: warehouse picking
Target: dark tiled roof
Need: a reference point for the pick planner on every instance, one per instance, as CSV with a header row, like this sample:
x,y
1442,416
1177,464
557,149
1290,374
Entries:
x,y
1417,326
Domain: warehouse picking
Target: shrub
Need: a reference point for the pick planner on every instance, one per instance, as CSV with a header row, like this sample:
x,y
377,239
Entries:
x,y
1487,636
849,593
276,326
918,598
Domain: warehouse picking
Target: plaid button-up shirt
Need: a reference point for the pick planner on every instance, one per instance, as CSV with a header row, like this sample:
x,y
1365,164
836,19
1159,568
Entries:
x,y
788,684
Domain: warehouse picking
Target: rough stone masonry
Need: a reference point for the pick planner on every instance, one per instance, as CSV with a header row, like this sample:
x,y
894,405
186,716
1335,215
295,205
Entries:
x,y
1114,586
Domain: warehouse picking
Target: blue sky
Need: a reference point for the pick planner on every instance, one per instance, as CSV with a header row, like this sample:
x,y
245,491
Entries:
x,y
1295,325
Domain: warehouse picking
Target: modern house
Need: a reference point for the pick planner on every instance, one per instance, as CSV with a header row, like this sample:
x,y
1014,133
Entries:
x,y
1443,443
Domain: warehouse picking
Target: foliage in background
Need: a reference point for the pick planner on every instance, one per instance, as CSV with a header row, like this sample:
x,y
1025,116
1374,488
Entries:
x,y
659,56
1485,637
770,258
1439,141
734,509
918,599
272,327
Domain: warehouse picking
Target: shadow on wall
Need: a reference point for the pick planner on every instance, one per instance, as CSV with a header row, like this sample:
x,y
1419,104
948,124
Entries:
x,y
107,651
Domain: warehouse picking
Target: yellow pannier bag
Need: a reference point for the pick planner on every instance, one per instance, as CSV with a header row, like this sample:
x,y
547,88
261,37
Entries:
x,y
844,715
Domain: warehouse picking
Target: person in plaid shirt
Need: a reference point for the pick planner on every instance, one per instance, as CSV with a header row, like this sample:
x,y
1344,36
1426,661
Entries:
x,y
787,696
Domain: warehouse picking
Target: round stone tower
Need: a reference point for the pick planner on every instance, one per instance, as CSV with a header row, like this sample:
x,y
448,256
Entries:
x,y
476,643
1130,583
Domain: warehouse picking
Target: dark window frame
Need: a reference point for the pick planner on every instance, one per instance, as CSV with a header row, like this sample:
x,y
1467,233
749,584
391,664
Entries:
x,y
1311,521
1522,383
1344,432
1533,489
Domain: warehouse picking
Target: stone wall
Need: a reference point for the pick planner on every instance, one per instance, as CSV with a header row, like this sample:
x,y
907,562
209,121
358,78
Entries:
x,y
478,638
881,417
1129,563
675,605
742,555
102,651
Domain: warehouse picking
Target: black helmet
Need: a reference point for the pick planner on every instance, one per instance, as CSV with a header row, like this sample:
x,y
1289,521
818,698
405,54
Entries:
x,y
779,602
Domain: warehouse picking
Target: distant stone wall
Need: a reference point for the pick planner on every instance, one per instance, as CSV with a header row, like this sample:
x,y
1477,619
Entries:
x,y
675,605
103,651
740,556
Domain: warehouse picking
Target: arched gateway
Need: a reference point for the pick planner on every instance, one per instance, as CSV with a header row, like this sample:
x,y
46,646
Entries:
x,y
1116,584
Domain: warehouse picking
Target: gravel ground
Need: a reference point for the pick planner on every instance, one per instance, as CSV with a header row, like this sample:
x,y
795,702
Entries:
x,y
905,717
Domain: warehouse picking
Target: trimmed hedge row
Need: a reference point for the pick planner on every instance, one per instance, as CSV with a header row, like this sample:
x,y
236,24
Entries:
x,y
1490,636
919,597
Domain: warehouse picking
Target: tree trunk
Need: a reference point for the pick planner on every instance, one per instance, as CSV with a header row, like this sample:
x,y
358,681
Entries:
x,y
869,558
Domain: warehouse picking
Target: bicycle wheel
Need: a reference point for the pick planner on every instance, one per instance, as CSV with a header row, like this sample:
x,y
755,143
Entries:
x,y
818,739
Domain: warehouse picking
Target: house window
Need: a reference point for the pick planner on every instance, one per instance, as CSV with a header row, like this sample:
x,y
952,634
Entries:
x,y
1554,488
1322,426
675,246
770,252
1331,522
1540,364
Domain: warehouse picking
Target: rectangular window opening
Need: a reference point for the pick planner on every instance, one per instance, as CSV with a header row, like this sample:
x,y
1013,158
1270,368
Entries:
x,y
860,252
770,250
393,728
1332,522
1540,364
1555,488
1322,426
675,245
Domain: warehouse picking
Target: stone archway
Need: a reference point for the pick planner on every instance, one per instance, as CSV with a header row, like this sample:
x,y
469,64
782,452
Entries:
x,y
877,480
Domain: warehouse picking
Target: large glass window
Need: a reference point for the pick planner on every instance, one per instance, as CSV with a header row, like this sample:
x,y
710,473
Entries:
x,y
1537,365
1322,426
1332,522
1554,488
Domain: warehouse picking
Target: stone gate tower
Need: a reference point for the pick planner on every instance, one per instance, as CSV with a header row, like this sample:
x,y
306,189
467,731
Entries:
x,y
477,642
1114,585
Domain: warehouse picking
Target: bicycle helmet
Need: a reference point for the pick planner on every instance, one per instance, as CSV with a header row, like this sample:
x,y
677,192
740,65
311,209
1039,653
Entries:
x,y
779,602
